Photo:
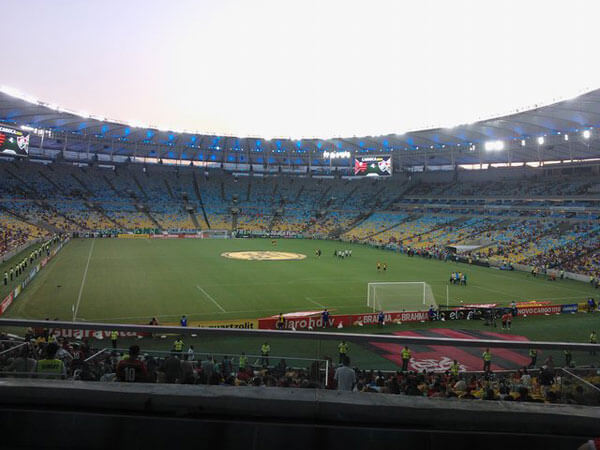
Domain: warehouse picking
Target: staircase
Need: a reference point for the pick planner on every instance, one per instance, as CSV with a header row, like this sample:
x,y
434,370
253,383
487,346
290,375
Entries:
x,y
299,194
49,180
194,219
55,212
323,195
112,186
199,196
82,184
139,185
169,190
249,190
350,194
152,219
101,211
38,223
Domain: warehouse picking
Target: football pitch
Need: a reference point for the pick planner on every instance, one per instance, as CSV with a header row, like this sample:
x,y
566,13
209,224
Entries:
x,y
132,280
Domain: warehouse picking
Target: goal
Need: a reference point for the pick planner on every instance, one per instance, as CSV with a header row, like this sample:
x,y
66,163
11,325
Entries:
x,y
400,296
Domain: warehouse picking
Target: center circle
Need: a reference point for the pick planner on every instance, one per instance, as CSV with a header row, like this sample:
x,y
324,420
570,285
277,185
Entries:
x,y
264,256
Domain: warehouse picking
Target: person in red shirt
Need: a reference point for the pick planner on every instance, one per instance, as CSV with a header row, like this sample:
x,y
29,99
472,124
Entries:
x,y
132,370
506,321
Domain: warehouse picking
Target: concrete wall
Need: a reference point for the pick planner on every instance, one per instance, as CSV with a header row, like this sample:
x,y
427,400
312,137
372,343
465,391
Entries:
x,y
59,414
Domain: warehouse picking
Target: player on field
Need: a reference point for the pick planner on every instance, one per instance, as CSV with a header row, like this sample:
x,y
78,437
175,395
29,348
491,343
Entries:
x,y
378,266
384,267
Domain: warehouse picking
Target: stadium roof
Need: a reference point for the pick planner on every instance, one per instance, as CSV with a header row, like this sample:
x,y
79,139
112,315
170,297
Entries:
x,y
564,130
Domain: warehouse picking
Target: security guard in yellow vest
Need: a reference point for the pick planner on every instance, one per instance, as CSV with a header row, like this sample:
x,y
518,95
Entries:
x,y
487,360
243,361
113,338
454,368
52,367
405,358
178,345
265,350
343,349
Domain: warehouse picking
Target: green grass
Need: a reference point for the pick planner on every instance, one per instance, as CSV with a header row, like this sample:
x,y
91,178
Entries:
x,y
130,281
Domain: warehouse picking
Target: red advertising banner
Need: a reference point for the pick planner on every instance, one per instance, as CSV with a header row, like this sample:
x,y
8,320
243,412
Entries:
x,y
303,322
6,303
346,320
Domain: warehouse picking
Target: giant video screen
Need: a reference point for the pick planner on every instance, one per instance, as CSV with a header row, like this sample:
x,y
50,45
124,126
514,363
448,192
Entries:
x,y
13,141
373,166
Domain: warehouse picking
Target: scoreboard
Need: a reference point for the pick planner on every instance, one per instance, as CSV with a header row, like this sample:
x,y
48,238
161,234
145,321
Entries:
x,y
13,141
373,166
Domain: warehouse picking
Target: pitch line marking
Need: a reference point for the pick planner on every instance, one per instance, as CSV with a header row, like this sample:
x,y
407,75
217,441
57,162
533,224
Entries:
x,y
313,302
210,298
87,265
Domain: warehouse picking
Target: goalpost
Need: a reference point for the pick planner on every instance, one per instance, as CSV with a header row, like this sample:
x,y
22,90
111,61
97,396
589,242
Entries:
x,y
400,296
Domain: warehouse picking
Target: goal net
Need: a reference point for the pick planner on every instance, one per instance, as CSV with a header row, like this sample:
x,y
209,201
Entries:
x,y
400,296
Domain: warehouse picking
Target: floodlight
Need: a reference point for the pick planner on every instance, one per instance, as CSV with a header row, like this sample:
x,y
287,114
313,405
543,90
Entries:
x,y
566,137
587,134
540,140
523,143
491,146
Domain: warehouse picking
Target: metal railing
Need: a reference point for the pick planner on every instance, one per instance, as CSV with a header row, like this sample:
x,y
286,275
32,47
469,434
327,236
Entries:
x,y
305,335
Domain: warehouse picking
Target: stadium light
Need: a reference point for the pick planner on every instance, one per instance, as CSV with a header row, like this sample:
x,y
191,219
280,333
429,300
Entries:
x,y
540,140
523,143
494,146
587,134
566,137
